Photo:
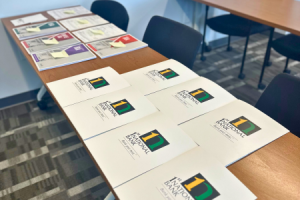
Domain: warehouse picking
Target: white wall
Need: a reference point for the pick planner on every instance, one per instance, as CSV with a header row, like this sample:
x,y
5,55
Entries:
x,y
13,66
16,74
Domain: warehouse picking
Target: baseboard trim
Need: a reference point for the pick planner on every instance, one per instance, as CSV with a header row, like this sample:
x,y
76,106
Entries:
x,y
18,99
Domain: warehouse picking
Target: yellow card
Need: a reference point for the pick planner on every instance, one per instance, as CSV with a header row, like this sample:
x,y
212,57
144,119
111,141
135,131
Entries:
x,y
62,54
51,41
117,44
97,32
36,29
69,11
82,21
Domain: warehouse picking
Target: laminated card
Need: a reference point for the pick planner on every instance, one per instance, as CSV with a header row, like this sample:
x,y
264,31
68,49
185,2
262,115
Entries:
x,y
104,49
83,22
68,12
190,99
101,114
36,30
133,149
233,131
30,19
86,86
159,76
62,56
194,175
49,42
99,33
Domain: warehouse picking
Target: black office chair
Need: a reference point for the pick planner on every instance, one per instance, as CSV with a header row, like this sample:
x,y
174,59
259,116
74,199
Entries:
x,y
289,46
112,11
281,101
232,25
173,40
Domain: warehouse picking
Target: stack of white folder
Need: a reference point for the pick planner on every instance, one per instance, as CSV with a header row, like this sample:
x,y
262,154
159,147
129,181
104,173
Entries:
x,y
163,132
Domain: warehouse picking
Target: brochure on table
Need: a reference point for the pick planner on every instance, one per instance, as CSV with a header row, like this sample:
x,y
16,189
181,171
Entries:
x,y
159,76
138,147
104,49
85,86
30,19
101,114
190,99
68,55
36,30
68,12
83,22
49,42
193,175
99,33
233,131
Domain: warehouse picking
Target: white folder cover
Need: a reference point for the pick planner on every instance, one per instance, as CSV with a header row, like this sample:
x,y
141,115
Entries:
x,y
133,149
159,76
101,114
194,175
88,85
233,131
190,99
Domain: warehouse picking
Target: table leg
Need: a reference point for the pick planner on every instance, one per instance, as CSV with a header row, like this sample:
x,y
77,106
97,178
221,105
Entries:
x,y
268,51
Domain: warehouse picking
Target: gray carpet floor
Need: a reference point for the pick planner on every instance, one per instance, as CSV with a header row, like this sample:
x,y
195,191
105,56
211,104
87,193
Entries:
x,y
42,158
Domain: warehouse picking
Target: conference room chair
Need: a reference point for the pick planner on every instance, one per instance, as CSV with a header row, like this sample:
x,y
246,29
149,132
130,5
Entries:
x,y
173,40
112,11
281,101
232,25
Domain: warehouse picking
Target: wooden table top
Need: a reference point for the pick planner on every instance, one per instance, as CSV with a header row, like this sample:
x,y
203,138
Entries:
x,y
273,172
282,14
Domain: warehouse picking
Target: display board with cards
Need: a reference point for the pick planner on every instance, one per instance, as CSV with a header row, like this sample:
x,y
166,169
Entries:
x,y
49,42
115,46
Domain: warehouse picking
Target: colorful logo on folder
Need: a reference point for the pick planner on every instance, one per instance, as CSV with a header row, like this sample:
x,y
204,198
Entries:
x,y
245,125
201,95
122,107
168,73
98,82
154,140
199,188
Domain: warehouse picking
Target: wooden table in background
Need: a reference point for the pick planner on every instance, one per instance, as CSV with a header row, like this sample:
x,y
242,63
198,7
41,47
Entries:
x,y
272,172
282,14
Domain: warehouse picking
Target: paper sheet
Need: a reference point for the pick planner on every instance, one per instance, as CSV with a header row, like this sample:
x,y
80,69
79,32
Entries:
x,y
30,19
138,147
80,22
94,33
233,131
68,12
88,85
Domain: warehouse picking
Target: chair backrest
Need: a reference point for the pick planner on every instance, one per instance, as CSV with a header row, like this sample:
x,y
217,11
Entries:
x,y
112,11
173,40
281,101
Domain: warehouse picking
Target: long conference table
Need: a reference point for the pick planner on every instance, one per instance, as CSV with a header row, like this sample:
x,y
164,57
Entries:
x,y
272,172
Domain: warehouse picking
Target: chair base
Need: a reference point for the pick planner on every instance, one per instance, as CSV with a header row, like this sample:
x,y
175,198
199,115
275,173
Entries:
x,y
229,48
287,71
42,105
242,76
203,58
207,48
269,63
261,86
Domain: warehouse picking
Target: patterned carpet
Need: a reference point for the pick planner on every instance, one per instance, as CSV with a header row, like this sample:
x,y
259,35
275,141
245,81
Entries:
x,y
42,158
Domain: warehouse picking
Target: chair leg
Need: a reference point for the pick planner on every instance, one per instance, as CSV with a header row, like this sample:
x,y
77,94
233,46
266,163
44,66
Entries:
x,y
241,75
110,196
269,63
268,52
286,70
41,103
203,58
229,48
